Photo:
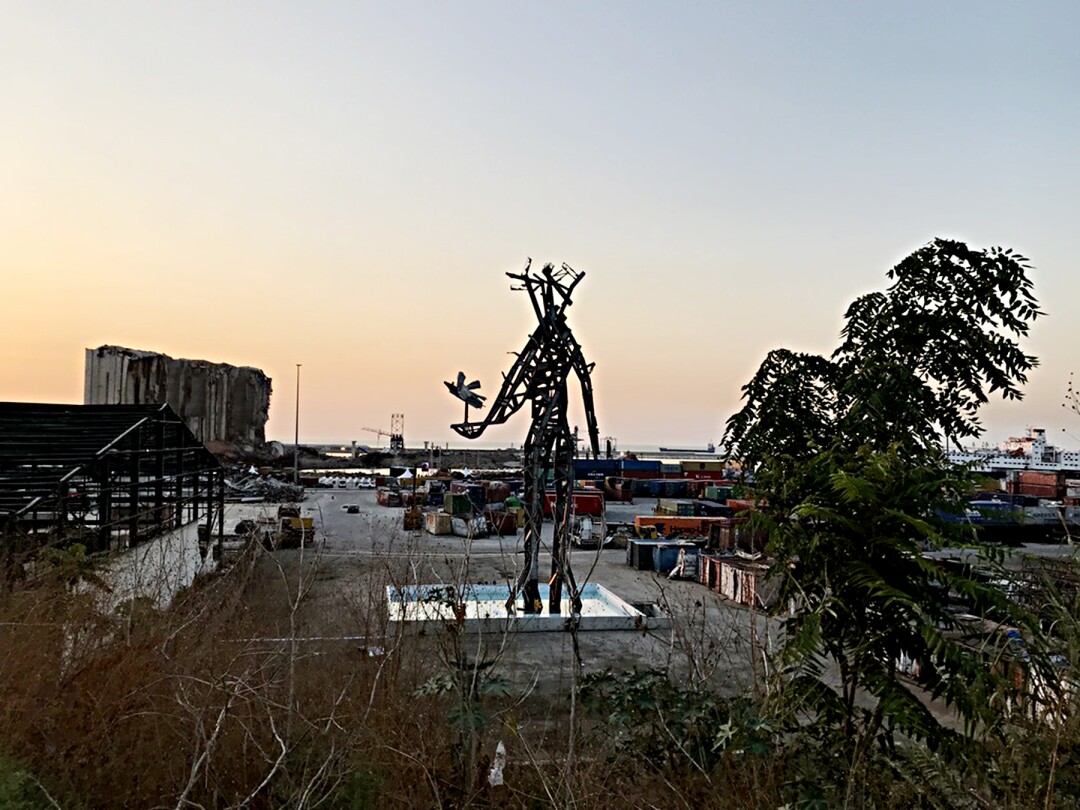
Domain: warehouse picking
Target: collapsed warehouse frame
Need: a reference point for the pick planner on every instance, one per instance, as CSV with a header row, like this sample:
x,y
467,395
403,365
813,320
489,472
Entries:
x,y
107,476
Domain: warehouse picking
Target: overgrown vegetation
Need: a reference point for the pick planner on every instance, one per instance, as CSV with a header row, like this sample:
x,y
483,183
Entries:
x,y
854,488
20,790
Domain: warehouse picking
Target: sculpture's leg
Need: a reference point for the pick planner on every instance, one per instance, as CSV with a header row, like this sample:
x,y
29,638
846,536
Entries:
x,y
563,457
528,580
566,550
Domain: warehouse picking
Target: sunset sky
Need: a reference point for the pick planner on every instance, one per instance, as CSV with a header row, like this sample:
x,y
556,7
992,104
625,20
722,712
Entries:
x,y
343,185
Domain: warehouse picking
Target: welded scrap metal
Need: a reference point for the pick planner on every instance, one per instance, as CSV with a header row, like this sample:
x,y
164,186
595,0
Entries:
x,y
269,489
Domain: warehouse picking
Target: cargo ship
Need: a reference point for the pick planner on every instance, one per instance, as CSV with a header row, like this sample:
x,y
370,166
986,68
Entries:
x,y
1030,452
709,448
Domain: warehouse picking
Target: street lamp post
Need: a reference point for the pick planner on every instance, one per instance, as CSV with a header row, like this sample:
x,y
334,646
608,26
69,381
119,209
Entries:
x,y
296,438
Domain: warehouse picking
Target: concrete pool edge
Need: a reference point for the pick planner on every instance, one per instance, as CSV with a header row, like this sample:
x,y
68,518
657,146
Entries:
x,y
433,607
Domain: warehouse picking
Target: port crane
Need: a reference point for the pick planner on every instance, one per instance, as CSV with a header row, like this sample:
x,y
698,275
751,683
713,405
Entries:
x,y
379,431
395,434
538,377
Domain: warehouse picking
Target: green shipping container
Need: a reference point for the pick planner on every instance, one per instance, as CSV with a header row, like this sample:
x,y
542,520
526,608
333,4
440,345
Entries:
x,y
675,508
457,503
667,506
718,494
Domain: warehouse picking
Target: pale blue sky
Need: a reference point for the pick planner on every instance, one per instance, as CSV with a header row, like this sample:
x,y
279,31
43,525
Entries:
x,y
198,178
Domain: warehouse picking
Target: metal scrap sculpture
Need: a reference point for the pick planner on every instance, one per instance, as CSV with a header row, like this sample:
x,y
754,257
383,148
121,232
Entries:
x,y
538,377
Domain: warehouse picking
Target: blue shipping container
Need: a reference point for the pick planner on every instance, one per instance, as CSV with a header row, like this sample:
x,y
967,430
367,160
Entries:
x,y
477,496
665,557
639,553
634,464
604,465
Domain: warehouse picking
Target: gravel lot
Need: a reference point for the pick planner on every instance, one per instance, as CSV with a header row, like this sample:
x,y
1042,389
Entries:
x,y
355,556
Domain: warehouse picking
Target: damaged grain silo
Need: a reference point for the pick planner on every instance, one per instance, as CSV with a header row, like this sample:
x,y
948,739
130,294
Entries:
x,y
221,404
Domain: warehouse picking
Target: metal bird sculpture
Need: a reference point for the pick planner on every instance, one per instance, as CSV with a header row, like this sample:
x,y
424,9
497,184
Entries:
x,y
466,392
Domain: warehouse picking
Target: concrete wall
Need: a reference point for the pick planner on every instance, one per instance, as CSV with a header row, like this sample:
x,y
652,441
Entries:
x,y
156,570
219,402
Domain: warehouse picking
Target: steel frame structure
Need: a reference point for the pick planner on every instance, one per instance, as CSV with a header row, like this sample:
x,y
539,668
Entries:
x,y
397,433
109,476
539,377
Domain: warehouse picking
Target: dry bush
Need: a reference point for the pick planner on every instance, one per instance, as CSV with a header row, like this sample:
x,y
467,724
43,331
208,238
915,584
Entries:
x,y
190,706
234,697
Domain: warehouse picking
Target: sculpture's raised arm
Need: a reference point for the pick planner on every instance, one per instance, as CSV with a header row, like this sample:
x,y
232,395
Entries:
x,y
584,371
512,395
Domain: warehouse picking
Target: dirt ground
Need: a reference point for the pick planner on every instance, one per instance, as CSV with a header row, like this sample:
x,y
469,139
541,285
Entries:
x,y
344,574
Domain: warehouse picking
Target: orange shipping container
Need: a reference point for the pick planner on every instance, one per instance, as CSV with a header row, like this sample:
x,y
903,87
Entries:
x,y
739,505
697,526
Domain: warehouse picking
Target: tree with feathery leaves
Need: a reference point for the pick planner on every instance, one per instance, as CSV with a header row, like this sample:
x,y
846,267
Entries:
x,y
853,486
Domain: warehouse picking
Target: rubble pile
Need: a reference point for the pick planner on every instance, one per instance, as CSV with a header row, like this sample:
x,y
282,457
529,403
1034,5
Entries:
x,y
247,484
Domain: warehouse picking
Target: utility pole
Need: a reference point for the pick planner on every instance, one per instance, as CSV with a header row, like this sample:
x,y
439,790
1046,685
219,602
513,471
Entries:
x,y
296,438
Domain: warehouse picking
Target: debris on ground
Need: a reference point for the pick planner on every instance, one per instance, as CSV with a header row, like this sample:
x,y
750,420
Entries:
x,y
245,484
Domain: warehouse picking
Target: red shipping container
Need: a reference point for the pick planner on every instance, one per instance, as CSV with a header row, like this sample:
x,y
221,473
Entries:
x,y
386,497
502,522
704,475
695,489
1046,479
497,491
1036,491
585,503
